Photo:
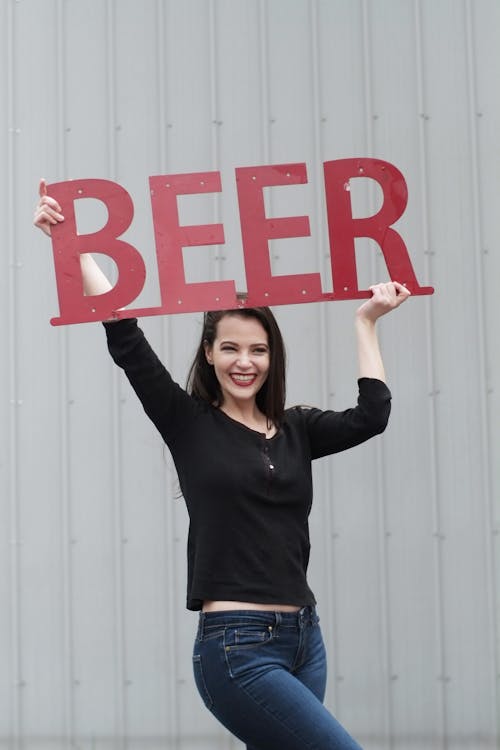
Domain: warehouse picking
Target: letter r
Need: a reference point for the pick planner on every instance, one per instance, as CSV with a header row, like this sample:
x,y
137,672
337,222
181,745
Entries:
x,y
343,228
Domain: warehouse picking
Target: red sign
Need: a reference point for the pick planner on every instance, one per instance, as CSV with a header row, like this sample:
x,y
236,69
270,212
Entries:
x,y
257,229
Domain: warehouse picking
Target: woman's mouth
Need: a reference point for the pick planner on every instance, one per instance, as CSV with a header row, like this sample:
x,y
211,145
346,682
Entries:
x,y
243,380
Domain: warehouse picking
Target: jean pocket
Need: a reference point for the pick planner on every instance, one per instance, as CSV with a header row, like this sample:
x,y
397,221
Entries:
x,y
199,679
248,636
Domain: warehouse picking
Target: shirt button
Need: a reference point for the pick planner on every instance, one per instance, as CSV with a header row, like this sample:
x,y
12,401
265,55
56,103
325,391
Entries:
x,y
271,466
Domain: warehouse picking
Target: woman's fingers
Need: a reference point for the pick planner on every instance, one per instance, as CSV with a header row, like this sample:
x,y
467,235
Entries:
x,y
398,293
47,213
402,293
43,221
42,187
48,210
392,293
385,297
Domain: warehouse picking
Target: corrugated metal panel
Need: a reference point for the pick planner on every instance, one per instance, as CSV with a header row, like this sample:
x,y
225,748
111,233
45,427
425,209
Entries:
x,y
406,565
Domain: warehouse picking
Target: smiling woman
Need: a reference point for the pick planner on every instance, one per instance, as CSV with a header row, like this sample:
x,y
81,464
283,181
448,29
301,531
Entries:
x,y
240,358
240,367
244,467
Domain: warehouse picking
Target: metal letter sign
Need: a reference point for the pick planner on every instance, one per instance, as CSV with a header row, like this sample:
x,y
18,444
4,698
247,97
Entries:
x,y
256,228
343,228
68,245
170,237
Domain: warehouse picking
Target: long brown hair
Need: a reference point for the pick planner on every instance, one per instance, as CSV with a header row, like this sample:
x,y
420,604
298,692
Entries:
x,y
202,381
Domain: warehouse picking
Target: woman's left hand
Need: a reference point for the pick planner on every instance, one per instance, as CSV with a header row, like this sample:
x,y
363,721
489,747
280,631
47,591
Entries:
x,y
385,297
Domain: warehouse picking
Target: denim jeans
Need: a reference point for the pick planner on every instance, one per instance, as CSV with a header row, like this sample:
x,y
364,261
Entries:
x,y
263,676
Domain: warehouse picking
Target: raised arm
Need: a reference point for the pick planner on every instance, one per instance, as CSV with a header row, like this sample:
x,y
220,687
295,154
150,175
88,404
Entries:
x,y
47,214
166,403
385,297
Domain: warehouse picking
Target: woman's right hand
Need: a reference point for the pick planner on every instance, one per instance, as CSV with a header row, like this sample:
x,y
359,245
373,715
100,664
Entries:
x,y
48,213
48,210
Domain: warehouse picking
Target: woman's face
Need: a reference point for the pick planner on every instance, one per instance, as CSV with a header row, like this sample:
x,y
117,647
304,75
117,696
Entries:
x,y
240,357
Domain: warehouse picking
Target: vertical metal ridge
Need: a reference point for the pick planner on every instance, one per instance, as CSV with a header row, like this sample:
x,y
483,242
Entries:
x,y
265,107
431,378
368,89
316,81
330,605
161,82
382,484
111,88
485,449
216,254
264,82
168,558
64,430
319,220
15,573
118,530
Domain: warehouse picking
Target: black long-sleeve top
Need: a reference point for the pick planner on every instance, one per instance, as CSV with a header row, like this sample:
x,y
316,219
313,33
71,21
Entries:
x,y
248,497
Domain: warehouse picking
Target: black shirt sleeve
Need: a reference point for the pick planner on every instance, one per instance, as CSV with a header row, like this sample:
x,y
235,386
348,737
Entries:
x,y
163,400
334,431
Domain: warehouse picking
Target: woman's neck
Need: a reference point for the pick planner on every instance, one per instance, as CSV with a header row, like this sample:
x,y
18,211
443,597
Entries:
x,y
249,415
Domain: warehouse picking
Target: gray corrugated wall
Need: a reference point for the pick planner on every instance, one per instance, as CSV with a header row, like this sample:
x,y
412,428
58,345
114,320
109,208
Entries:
x,y
94,641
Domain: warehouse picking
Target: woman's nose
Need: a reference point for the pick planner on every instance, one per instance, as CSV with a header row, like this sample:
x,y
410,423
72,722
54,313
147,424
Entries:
x,y
244,360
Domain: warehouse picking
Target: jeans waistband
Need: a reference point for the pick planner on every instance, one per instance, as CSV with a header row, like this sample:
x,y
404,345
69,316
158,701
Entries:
x,y
208,621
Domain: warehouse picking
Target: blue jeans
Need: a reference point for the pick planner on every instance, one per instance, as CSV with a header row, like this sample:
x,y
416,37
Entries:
x,y
263,676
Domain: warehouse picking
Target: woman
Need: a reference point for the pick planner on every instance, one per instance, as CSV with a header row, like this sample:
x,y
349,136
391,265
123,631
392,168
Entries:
x,y
244,467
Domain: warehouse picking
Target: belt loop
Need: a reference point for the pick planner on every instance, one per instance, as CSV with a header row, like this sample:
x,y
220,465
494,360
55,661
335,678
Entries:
x,y
300,617
201,626
277,619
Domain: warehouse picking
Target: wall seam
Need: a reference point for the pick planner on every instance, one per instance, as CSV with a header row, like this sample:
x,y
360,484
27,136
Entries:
x,y
216,253
328,511
264,84
122,678
486,466
384,587
437,533
170,604
65,420
14,500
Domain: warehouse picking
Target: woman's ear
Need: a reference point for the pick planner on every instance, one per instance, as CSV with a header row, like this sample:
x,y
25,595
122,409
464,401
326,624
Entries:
x,y
208,352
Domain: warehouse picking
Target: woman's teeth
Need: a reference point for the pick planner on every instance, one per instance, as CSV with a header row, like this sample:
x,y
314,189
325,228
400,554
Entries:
x,y
243,378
